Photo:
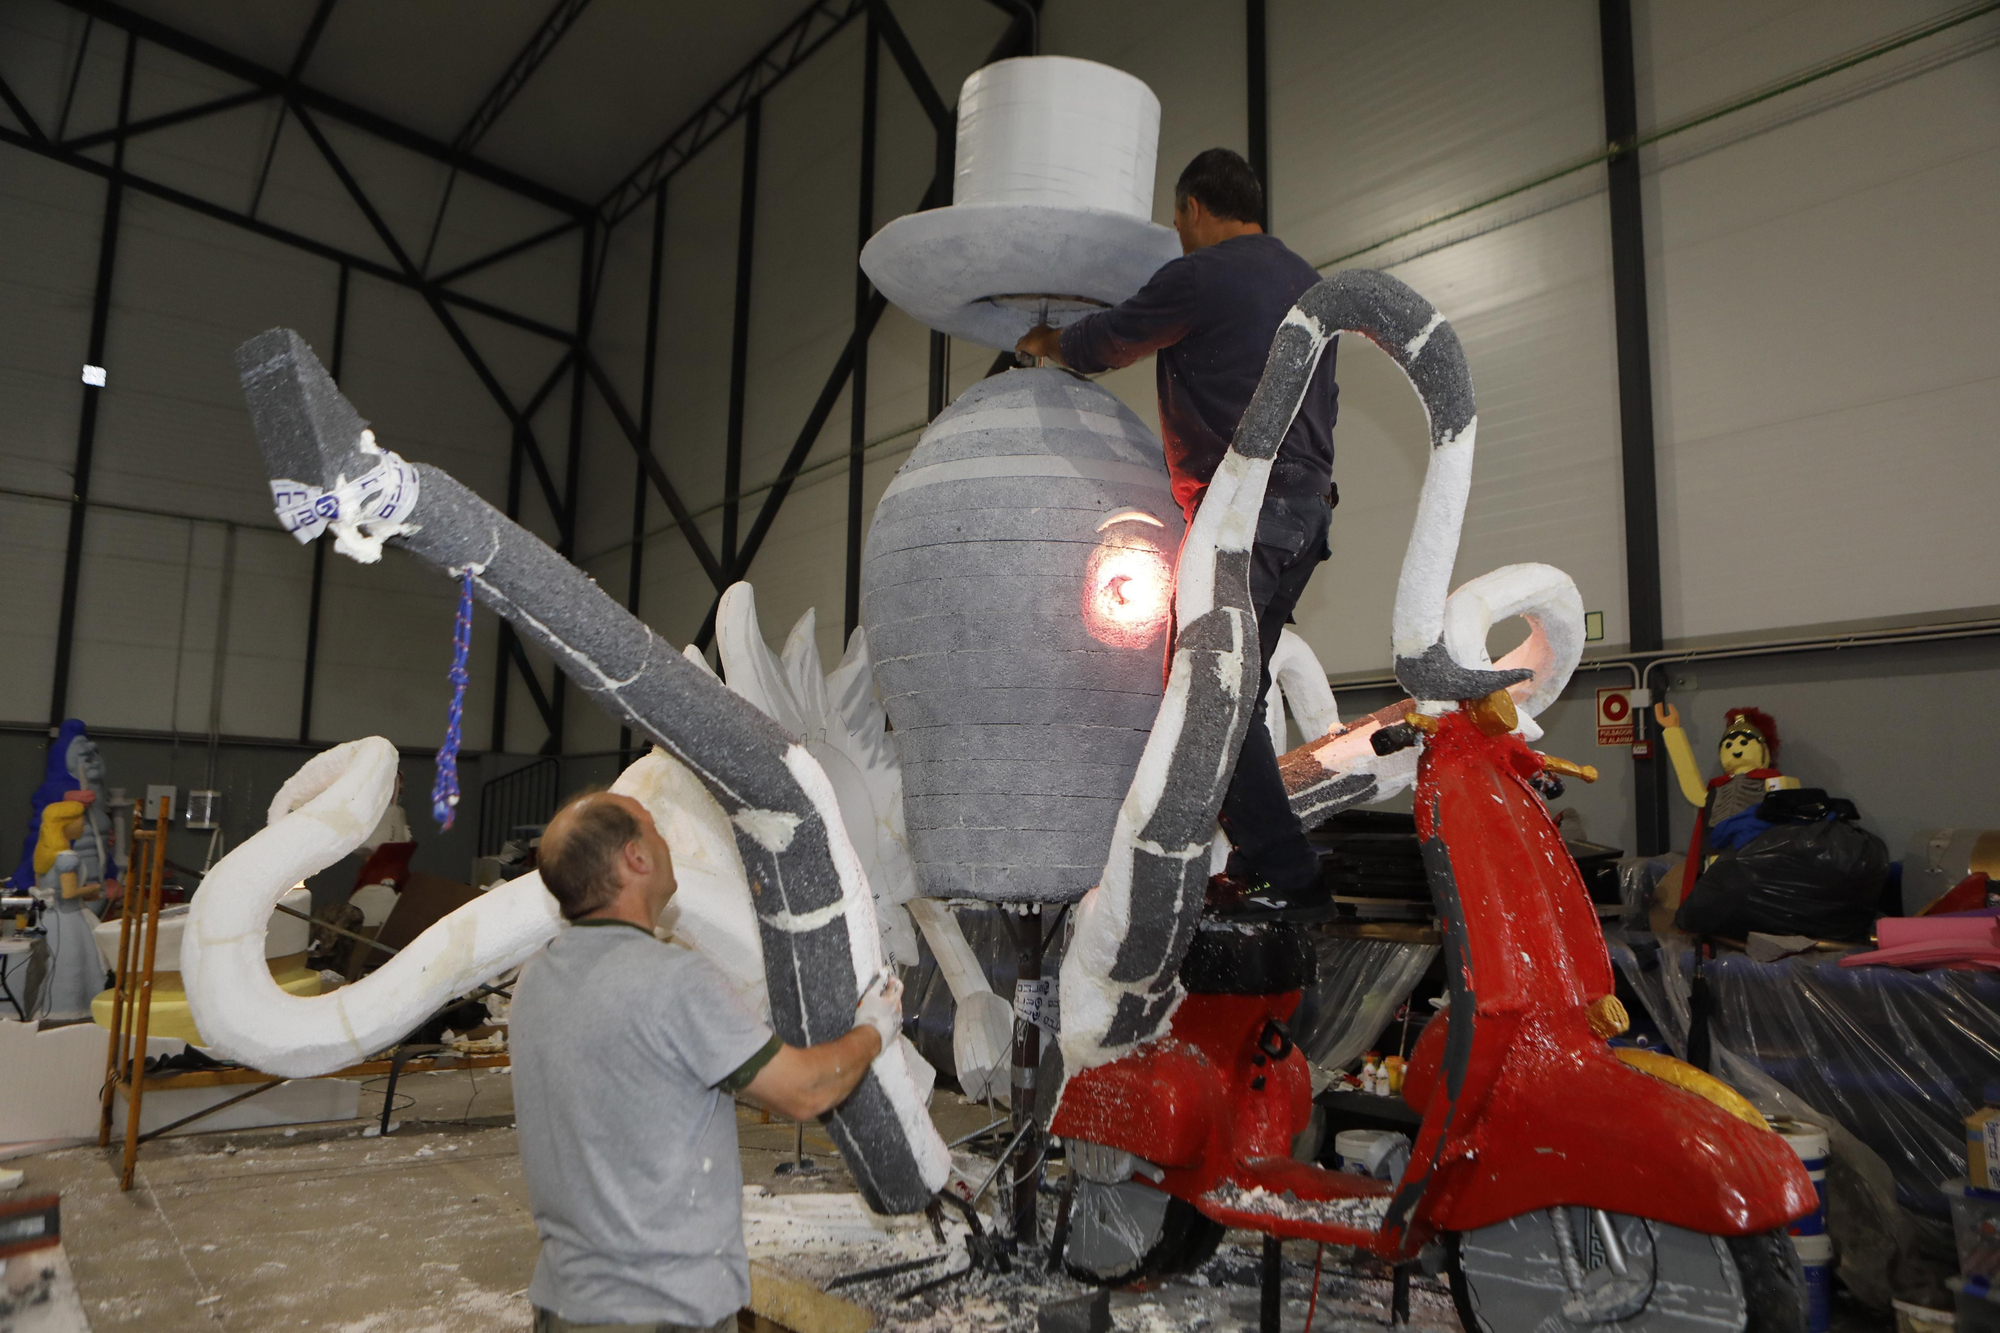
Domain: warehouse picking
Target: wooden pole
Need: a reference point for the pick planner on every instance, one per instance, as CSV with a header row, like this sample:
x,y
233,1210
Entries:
x,y
135,1067
135,880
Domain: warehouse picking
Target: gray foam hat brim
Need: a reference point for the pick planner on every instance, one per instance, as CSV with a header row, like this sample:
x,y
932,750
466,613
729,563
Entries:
x,y
940,266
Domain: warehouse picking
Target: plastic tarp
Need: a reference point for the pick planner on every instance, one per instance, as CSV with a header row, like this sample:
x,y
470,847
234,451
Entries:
x,y
1889,1061
1361,985
927,997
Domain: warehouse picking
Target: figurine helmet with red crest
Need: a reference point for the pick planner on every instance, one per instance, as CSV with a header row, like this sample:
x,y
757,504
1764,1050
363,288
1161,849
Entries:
x,y
1749,741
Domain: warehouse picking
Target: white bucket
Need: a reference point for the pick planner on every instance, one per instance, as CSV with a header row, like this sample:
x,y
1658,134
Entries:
x,y
1816,1257
1813,1146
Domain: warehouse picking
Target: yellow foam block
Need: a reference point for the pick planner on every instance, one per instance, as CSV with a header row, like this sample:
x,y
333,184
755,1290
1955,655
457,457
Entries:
x,y
169,1010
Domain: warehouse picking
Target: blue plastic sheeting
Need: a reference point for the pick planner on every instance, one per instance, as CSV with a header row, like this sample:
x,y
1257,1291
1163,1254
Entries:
x,y
1899,1058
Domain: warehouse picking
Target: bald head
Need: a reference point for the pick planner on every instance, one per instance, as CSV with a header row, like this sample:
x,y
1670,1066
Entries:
x,y
602,852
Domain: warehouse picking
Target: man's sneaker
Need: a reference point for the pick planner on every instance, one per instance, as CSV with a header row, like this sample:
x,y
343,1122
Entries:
x,y
1255,900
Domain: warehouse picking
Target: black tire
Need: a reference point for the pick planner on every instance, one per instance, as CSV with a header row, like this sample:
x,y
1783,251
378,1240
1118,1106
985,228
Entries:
x,y
1461,1291
1774,1282
1187,1241
1767,1264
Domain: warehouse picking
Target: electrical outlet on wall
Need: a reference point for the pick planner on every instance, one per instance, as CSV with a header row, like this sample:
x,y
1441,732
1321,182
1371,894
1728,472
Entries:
x,y
1593,626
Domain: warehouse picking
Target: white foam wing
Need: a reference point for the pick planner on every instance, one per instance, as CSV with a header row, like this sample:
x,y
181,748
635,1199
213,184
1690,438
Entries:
x,y
841,724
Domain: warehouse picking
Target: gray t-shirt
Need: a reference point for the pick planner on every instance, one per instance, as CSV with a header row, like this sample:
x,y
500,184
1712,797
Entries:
x,y
620,1044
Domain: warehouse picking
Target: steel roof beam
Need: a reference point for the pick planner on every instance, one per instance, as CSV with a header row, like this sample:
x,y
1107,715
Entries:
x,y
272,81
783,54
558,505
20,110
166,119
284,236
522,68
502,94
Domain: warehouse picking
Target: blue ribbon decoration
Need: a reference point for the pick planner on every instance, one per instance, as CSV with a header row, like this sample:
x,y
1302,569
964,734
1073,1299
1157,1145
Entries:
x,y
444,792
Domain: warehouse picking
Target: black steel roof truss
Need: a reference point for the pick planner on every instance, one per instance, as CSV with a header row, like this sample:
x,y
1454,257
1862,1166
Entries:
x,y
20,111
271,81
522,427
167,119
801,37
284,236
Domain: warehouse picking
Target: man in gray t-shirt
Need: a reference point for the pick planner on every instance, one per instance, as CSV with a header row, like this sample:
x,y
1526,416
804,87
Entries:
x,y
627,1054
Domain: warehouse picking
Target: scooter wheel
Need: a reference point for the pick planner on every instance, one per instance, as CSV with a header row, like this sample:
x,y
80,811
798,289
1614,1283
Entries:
x,y
1549,1270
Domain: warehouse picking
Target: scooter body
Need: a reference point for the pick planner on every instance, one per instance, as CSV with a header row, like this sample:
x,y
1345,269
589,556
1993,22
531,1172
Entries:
x,y
1525,1105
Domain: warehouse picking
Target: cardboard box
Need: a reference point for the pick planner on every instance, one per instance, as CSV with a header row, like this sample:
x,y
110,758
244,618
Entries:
x,y
1982,1147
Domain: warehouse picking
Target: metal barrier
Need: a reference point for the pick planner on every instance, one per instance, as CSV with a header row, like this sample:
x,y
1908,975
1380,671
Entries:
x,y
525,796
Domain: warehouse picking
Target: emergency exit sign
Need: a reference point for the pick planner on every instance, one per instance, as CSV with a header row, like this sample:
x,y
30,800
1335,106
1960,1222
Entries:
x,y
1614,717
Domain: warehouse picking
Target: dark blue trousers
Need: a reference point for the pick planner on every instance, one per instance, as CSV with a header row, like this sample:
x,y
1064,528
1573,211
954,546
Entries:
x,y
1267,839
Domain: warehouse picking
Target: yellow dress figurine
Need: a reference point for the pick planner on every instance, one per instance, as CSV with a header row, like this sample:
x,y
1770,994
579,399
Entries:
x,y
1728,803
65,879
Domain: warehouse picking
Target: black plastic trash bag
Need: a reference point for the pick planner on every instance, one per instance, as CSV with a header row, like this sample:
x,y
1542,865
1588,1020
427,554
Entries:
x,y
1820,879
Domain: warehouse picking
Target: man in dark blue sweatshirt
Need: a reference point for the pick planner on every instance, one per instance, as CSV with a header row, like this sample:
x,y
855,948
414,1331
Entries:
x,y
1208,318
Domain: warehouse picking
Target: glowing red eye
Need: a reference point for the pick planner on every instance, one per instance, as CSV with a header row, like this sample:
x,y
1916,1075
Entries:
x,y
1127,591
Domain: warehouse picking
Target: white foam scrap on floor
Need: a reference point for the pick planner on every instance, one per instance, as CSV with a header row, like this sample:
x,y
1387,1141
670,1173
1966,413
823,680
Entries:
x,y
779,1226
48,1302
819,1237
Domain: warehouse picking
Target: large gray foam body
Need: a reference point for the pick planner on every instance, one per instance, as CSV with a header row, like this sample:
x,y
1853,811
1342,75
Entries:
x,y
1018,730
308,431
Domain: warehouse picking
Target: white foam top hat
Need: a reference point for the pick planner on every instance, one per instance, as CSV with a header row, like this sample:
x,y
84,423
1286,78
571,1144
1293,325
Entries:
x,y
1052,201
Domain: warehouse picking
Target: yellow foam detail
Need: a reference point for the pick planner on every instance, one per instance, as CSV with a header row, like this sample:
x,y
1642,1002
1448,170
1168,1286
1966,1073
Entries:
x,y
169,1010
1689,1079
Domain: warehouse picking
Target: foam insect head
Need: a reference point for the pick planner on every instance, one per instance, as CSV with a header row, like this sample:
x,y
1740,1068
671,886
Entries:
x,y
1128,584
1749,741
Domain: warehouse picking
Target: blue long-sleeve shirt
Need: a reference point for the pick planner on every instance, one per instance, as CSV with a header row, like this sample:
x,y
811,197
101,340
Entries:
x,y
1209,318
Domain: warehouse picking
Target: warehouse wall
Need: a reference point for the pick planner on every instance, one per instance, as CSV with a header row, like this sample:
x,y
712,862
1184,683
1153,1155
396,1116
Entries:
x,y
1803,454
1826,276
176,482
1820,284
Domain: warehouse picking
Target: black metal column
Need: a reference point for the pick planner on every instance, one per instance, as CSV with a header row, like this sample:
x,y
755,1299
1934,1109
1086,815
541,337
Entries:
x,y
636,564
86,434
1027,1161
1258,92
1635,388
940,358
857,388
319,548
739,337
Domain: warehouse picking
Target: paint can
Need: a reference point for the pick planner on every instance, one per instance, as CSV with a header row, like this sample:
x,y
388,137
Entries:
x,y
1816,1257
1812,1145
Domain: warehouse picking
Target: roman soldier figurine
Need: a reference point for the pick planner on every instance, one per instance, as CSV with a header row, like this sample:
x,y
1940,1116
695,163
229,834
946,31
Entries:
x,y
1727,803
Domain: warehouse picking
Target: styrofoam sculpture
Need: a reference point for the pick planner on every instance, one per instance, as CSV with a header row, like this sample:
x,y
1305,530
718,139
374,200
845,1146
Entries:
x,y
1015,589
1015,604
1052,205
814,914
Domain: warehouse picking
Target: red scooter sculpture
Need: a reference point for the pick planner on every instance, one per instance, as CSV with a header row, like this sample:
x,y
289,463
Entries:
x,y
1567,1182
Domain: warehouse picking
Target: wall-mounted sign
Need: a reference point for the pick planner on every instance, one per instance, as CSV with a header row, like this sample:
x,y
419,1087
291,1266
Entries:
x,y
1615,724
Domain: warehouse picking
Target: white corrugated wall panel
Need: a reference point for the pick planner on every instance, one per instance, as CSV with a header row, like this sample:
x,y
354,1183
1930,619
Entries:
x,y
1824,282
33,533
1384,119
52,213
145,622
172,432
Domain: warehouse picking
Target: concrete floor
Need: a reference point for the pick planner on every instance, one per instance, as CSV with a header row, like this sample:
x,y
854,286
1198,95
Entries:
x,y
333,1229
